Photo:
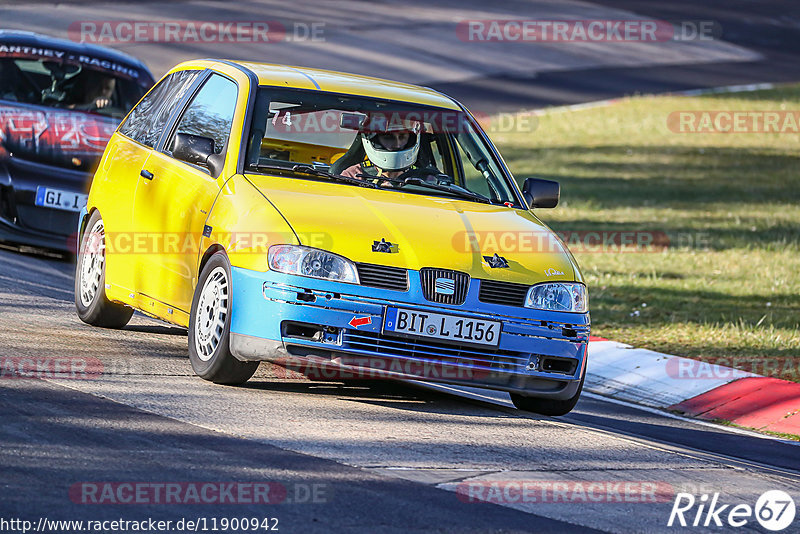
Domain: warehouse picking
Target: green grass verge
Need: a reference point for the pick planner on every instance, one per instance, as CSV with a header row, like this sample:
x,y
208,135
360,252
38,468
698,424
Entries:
x,y
728,286
782,435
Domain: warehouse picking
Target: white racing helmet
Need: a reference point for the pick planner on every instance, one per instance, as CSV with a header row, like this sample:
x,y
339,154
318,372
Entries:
x,y
382,157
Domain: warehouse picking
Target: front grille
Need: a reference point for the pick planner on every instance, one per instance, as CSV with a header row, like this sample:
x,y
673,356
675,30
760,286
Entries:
x,y
430,350
382,277
452,286
494,292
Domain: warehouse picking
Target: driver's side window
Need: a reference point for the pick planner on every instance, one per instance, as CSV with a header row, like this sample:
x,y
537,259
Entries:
x,y
147,119
210,113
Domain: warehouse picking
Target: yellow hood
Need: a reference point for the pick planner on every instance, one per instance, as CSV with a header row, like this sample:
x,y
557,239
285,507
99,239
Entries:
x,y
426,231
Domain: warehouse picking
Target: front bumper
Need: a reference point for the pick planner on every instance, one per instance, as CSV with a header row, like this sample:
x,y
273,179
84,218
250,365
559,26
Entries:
x,y
21,220
305,322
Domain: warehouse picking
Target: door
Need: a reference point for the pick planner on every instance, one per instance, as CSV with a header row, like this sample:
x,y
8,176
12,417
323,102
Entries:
x,y
127,153
173,200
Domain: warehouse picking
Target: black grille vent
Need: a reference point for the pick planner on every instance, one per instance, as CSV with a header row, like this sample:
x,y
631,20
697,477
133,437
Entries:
x,y
435,351
383,277
506,293
459,286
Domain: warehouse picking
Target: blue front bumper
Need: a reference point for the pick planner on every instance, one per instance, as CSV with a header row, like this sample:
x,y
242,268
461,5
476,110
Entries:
x,y
289,319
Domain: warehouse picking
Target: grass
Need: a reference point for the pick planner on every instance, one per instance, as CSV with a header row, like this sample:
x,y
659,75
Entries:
x,y
728,285
781,435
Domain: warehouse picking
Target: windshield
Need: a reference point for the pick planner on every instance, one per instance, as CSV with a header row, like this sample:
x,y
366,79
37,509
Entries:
x,y
387,144
69,85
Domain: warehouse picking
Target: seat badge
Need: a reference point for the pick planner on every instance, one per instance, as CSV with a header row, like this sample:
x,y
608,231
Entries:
x,y
383,246
445,286
496,262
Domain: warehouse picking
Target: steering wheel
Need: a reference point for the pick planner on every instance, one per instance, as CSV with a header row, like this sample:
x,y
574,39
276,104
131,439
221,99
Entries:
x,y
423,174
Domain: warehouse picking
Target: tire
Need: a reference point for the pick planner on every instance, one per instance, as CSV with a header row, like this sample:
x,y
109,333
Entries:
x,y
547,406
90,280
210,324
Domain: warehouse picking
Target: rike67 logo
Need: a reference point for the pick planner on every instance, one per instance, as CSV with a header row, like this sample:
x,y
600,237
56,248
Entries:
x,y
774,510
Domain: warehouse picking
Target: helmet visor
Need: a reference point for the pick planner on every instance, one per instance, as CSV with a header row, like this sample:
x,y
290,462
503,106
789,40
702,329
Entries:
x,y
395,140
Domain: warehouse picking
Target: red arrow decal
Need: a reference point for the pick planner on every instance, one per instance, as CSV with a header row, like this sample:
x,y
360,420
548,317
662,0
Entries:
x,y
355,322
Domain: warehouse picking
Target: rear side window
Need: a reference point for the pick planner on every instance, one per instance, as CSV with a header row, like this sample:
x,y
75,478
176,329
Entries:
x,y
211,112
147,120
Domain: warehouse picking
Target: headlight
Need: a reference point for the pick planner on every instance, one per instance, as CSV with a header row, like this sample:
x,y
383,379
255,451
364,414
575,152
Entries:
x,y
305,261
558,296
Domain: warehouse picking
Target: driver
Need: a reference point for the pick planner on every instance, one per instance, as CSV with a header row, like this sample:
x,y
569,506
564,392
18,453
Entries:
x,y
99,90
391,150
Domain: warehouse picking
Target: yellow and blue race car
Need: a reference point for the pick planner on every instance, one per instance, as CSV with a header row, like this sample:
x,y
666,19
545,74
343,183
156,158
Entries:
x,y
344,226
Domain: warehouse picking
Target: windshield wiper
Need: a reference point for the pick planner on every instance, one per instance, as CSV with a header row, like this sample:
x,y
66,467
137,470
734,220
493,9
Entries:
x,y
313,171
451,188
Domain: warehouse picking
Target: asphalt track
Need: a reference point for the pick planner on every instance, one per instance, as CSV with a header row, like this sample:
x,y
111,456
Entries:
x,y
769,29
419,42
386,457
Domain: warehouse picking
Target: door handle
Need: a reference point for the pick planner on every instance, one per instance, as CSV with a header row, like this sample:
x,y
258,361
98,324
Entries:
x,y
147,175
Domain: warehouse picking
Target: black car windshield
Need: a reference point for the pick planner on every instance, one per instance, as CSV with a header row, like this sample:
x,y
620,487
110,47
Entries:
x,y
68,85
391,145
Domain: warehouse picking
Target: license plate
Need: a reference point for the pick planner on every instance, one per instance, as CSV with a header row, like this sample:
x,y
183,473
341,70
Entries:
x,y
60,199
441,326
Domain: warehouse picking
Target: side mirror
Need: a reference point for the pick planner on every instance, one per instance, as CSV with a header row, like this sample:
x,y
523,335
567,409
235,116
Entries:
x,y
198,150
541,193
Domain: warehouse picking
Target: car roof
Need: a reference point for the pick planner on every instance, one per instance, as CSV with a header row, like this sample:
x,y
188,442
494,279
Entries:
x,y
25,38
344,83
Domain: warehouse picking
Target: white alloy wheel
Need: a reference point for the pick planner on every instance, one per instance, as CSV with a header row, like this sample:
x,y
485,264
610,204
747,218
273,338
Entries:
x,y
92,262
212,312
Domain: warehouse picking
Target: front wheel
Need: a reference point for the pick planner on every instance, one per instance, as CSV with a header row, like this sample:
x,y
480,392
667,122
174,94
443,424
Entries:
x,y
547,406
90,280
209,327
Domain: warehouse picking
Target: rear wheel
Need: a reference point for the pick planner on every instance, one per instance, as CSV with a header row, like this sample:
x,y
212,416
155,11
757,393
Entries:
x,y
547,406
90,280
209,327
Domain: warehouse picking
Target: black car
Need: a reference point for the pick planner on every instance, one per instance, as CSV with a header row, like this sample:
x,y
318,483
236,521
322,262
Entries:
x,y
60,101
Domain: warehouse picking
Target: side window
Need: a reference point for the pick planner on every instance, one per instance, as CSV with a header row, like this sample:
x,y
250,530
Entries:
x,y
146,121
210,113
